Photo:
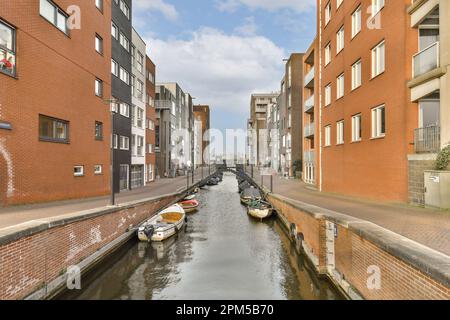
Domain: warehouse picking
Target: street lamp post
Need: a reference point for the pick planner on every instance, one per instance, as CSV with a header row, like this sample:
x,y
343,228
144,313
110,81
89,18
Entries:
x,y
112,195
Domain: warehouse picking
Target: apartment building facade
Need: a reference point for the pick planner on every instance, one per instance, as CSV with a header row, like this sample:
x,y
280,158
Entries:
x,y
121,98
138,111
291,116
54,122
311,116
367,117
429,88
202,125
257,127
150,157
273,142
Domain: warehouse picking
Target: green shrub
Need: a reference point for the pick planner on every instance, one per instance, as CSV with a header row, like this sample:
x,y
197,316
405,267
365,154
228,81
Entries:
x,y
443,159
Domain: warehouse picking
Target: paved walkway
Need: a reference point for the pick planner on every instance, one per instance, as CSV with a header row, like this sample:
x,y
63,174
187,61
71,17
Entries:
x,y
429,227
19,214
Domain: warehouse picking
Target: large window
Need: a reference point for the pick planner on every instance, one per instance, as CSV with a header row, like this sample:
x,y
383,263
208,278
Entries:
x,y
328,54
98,44
125,9
356,22
340,86
377,5
53,130
124,143
340,40
378,122
356,128
328,13
340,132
356,75
378,60
98,130
54,15
140,62
7,49
124,76
124,41
327,136
98,88
328,95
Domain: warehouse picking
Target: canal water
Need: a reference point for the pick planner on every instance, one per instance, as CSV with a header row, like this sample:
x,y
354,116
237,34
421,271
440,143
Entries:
x,y
222,253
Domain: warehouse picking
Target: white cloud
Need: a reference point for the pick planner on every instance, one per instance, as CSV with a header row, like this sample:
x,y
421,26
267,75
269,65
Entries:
x,y
220,69
169,11
249,27
270,5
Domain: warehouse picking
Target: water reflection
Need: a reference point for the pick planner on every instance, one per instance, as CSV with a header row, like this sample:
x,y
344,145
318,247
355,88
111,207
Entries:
x,y
221,254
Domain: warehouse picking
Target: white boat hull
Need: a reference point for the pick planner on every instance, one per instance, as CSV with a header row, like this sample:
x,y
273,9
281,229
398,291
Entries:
x,y
260,213
162,231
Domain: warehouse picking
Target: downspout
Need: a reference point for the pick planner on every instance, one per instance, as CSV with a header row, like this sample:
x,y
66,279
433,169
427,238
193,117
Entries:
x,y
320,97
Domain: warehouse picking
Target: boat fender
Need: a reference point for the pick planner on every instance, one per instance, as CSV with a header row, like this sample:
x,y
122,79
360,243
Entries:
x,y
186,219
299,239
293,230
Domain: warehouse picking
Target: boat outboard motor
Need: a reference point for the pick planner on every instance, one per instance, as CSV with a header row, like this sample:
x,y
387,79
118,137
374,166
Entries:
x,y
149,230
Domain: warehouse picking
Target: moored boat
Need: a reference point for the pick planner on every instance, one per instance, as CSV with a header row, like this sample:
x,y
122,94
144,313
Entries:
x,y
164,225
249,195
260,209
189,205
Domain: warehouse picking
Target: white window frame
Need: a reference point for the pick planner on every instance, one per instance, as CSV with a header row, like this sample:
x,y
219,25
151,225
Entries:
x,y
340,86
327,94
328,136
377,118
328,13
356,22
114,68
328,54
378,59
124,143
98,88
340,40
98,169
340,127
98,44
80,173
357,74
377,5
356,127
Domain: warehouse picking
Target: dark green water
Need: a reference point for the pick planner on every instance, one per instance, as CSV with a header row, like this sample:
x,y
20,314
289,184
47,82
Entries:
x,y
221,254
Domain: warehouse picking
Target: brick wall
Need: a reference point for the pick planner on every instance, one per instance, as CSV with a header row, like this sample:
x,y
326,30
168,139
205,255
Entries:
x,y
31,262
354,254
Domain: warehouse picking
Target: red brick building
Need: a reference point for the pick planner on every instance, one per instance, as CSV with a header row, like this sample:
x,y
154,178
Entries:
x,y
54,121
151,121
368,119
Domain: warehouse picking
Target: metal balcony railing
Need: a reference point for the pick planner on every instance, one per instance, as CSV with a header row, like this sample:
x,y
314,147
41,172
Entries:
x,y
309,103
427,140
310,129
309,78
163,104
310,156
426,60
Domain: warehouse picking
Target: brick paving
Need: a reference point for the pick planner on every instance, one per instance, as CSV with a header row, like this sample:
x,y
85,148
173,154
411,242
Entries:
x,y
430,227
15,215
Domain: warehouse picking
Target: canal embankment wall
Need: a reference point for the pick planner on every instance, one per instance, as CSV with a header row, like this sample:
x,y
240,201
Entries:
x,y
35,256
364,260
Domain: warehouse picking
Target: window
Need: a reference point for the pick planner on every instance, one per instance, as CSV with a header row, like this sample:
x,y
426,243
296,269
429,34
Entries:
x,y
356,22
124,143
338,3
114,68
98,88
140,62
54,15
125,110
340,86
124,76
99,4
140,146
356,75
151,125
98,44
140,90
133,55
378,60
150,172
53,130
125,9
114,106
327,136
150,148
377,5
327,13
114,31
133,85
328,95
356,128
115,142
328,54
124,42
140,118
150,77
98,130
378,122
78,171
340,132
98,169
7,49
340,40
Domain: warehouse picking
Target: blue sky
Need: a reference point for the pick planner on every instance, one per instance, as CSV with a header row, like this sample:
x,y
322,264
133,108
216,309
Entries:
x,y
222,51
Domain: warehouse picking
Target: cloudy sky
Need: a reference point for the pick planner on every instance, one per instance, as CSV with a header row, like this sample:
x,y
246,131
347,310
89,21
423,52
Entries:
x,y
222,51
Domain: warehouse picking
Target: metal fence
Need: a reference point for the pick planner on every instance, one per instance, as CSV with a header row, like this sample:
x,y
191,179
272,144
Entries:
x,y
427,140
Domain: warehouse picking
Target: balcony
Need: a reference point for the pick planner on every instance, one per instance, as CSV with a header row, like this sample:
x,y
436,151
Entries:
x,y
310,130
427,140
309,79
163,104
426,60
309,156
309,104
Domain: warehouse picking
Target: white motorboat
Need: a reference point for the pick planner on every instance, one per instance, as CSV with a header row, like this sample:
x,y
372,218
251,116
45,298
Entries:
x,y
164,225
260,210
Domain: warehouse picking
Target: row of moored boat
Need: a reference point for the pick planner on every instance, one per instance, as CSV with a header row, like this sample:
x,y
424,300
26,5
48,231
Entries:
x,y
252,197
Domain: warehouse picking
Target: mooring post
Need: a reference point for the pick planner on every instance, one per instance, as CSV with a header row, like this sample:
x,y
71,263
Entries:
x,y
252,170
271,183
193,174
187,176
